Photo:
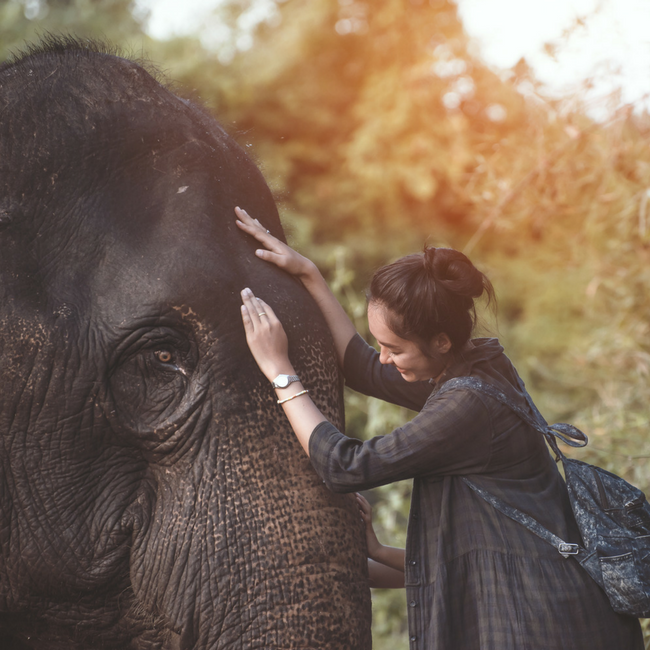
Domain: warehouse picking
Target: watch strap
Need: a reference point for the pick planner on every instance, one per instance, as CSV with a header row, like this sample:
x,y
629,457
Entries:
x,y
290,380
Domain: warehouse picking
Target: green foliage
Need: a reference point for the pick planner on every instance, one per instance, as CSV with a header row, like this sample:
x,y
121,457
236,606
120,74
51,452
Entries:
x,y
379,131
111,20
356,122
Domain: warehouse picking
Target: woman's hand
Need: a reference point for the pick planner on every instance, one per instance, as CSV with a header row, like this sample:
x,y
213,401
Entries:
x,y
268,343
265,336
374,547
306,271
274,250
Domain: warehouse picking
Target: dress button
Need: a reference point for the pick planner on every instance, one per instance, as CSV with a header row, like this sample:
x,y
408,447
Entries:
x,y
412,562
412,603
414,638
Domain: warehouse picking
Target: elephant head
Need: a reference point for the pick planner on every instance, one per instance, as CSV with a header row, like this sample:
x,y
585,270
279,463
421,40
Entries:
x,y
152,494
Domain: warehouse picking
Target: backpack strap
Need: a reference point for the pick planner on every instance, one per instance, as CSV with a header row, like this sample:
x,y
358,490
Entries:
x,y
564,548
567,433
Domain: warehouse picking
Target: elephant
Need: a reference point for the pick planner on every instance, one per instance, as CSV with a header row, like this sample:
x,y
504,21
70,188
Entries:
x,y
152,494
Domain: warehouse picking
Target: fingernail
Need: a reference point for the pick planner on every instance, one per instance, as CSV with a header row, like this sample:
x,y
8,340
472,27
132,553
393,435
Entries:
x,y
259,252
246,291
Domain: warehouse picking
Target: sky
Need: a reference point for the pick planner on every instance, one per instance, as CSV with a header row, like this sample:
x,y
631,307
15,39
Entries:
x,y
587,48
604,41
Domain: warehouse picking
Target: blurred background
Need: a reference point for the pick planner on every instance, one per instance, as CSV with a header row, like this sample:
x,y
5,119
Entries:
x,y
517,132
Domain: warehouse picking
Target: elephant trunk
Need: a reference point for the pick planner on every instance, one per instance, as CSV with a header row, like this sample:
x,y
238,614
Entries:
x,y
246,548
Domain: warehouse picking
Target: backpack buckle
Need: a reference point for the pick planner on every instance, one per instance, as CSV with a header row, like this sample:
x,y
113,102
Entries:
x,y
568,549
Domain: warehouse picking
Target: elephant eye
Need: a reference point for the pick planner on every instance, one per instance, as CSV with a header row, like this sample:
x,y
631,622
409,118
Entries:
x,y
164,356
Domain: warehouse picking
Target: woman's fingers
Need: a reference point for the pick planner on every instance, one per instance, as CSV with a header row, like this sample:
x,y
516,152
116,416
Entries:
x,y
244,216
256,231
254,310
270,256
252,226
363,502
246,319
246,219
275,251
267,311
364,507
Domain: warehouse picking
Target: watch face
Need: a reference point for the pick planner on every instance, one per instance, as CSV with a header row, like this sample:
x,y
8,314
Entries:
x,y
282,381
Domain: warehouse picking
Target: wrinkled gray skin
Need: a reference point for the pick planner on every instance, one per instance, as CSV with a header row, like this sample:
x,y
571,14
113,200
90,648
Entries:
x,y
151,494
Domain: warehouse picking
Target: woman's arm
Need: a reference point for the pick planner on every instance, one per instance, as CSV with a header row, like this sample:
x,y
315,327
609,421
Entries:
x,y
307,272
382,577
385,563
269,346
385,555
451,435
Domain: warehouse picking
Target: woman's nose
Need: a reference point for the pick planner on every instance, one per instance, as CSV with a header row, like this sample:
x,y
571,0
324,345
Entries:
x,y
384,356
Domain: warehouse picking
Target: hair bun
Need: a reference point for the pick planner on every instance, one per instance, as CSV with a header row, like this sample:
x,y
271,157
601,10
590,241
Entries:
x,y
456,273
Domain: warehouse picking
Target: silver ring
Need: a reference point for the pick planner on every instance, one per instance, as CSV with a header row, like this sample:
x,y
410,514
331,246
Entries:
x,y
262,313
268,232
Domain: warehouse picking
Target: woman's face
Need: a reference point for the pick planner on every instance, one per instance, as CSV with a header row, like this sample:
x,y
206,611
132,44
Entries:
x,y
406,355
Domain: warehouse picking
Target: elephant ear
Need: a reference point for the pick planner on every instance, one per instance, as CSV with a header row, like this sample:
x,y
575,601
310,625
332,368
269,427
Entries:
x,y
155,389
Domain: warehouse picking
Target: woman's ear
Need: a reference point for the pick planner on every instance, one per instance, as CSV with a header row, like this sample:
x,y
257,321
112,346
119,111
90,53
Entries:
x,y
441,343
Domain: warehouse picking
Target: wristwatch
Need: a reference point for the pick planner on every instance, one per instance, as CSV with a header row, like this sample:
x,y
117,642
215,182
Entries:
x,y
282,381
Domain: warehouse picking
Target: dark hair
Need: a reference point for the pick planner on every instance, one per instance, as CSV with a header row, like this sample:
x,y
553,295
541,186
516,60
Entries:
x,y
429,293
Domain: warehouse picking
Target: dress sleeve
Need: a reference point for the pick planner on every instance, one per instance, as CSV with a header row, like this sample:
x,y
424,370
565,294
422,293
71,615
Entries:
x,y
364,373
451,435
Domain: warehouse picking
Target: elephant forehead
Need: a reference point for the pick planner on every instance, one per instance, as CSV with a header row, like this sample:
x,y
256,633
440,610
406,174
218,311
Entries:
x,y
170,258
154,239
194,277
172,242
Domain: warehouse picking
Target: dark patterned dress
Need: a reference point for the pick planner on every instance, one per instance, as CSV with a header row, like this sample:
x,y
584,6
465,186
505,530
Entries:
x,y
475,580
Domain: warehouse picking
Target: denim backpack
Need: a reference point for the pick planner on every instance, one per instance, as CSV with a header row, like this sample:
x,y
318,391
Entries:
x,y
612,515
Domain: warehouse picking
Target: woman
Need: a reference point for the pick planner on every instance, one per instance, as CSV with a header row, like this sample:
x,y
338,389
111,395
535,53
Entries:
x,y
474,578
